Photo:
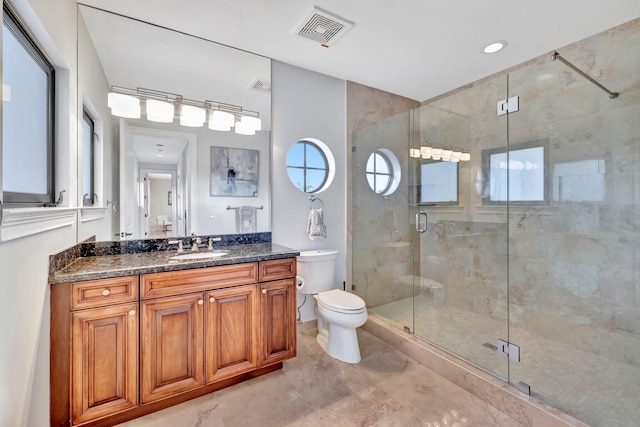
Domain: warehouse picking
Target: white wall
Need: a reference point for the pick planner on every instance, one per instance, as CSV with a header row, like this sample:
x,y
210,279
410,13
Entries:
x,y
24,262
306,104
92,91
213,217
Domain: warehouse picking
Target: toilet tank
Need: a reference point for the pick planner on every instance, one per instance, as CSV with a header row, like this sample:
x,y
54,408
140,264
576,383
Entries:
x,y
316,270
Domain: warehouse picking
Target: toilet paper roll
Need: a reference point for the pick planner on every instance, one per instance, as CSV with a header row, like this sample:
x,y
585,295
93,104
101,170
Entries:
x,y
299,282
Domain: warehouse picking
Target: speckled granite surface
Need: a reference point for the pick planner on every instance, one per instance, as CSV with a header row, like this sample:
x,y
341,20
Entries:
x,y
114,259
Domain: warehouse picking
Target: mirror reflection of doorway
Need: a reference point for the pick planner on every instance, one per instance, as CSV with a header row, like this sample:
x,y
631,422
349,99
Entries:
x,y
159,194
159,206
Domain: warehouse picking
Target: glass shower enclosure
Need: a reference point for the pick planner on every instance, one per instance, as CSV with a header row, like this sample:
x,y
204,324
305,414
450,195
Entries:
x,y
522,255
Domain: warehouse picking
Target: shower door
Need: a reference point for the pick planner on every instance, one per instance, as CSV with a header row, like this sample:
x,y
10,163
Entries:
x,y
460,219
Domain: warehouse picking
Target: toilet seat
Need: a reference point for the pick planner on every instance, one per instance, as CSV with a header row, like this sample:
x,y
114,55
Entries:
x,y
339,301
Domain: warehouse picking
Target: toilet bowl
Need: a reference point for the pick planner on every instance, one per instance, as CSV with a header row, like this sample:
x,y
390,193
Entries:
x,y
338,313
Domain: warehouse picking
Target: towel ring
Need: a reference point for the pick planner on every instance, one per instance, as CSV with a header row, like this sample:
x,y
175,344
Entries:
x,y
315,199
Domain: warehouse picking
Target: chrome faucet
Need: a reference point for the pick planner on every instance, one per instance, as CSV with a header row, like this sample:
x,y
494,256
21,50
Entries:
x,y
211,240
195,241
177,242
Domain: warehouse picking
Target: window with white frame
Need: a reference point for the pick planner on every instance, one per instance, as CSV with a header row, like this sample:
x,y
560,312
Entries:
x,y
28,117
307,166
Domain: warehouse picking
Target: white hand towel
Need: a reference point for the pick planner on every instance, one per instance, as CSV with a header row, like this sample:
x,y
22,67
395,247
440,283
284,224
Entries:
x,y
315,226
246,219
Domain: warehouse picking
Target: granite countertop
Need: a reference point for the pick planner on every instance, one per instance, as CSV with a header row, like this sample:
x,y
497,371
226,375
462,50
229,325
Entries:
x,y
105,266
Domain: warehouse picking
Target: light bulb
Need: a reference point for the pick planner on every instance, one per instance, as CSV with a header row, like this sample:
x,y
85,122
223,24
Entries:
x,y
192,116
160,111
243,129
425,152
251,122
221,120
122,105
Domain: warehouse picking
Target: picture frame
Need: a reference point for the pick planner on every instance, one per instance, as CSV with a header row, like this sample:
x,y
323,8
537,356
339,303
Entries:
x,y
234,172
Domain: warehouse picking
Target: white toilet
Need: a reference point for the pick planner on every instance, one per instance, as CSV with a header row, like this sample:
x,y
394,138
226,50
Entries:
x,y
339,313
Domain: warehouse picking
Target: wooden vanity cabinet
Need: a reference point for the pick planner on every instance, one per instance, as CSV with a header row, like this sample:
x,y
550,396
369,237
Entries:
x,y
94,349
116,356
171,350
278,323
104,359
232,329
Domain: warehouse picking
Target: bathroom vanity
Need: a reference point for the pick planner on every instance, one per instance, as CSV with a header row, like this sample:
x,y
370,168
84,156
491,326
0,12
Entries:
x,y
134,333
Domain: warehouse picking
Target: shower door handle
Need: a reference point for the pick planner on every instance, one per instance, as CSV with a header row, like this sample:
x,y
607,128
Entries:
x,y
419,228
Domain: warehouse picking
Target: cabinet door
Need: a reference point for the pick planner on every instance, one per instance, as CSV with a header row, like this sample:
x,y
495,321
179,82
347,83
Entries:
x,y
172,346
278,323
104,360
232,331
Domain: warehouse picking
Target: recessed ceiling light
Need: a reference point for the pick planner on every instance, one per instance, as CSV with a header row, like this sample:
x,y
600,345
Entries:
x,y
495,46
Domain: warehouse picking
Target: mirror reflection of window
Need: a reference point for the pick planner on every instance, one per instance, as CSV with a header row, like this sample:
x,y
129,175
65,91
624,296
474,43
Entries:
x,y
439,182
307,166
517,176
88,132
379,173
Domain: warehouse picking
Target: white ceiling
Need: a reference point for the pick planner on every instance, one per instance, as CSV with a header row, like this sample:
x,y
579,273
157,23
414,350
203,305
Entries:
x,y
152,149
415,48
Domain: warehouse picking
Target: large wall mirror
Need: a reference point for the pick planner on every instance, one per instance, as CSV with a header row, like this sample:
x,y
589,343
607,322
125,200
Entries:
x,y
164,175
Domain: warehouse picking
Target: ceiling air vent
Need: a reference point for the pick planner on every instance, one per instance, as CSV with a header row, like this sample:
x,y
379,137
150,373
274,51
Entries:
x,y
323,27
261,84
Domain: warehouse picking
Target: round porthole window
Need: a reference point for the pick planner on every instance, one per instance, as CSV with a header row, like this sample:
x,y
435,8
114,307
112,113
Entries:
x,y
310,165
383,172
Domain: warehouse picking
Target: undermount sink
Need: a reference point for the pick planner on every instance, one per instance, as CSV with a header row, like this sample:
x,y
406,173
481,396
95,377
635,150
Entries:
x,y
199,255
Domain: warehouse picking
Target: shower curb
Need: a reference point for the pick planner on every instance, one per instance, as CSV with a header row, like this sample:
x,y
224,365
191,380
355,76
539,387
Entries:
x,y
527,410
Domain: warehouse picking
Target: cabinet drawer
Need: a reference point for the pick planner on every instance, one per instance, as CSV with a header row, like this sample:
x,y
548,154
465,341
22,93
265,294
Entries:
x,y
277,269
97,293
181,282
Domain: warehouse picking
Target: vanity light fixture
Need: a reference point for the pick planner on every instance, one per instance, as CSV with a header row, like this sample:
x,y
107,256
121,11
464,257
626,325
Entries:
x,y
495,46
444,154
162,107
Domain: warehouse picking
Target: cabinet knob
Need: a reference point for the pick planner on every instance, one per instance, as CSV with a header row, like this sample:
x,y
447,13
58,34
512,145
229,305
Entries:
x,y
106,292
132,312
200,302
212,299
264,291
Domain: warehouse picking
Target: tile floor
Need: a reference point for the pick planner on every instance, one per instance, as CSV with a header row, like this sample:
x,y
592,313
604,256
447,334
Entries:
x,y
596,390
387,388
